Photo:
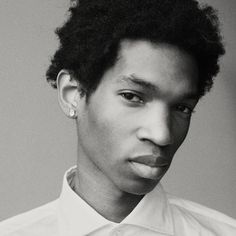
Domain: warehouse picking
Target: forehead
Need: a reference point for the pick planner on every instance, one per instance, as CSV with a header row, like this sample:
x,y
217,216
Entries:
x,y
162,66
157,58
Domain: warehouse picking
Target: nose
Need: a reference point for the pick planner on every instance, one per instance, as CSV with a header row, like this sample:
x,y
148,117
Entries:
x,y
156,127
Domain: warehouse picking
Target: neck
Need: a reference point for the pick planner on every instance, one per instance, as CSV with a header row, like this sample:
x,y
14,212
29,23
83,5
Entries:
x,y
110,202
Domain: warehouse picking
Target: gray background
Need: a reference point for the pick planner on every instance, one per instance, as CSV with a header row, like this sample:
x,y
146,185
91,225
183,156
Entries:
x,y
37,143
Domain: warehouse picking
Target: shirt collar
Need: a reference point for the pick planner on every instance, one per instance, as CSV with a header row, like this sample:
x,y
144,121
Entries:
x,y
76,217
153,212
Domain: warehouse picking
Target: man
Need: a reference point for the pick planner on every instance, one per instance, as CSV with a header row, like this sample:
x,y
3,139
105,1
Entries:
x,y
130,73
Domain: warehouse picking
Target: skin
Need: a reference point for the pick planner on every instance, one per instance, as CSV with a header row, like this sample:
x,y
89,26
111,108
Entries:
x,y
142,107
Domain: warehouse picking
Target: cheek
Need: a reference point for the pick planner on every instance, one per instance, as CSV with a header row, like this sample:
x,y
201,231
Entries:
x,y
180,131
102,132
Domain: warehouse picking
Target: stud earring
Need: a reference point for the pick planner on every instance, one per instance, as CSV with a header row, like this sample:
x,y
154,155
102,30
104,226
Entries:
x,y
72,113
74,3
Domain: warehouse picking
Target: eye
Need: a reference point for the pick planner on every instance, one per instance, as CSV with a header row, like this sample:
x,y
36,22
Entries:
x,y
132,97
185,109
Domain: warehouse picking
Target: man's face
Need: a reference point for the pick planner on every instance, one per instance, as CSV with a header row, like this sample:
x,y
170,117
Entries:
x,y
138,116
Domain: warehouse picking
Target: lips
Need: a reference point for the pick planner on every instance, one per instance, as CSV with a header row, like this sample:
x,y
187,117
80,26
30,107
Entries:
x,y
149,166
152,161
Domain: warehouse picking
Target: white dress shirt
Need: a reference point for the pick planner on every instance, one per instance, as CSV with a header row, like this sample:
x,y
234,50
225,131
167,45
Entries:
x,y
157,214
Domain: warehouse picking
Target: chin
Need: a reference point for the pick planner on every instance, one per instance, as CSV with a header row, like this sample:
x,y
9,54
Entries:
x,y
140,187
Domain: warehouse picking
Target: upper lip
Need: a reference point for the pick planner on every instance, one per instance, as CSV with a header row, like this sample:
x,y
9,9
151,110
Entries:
x,y
151,160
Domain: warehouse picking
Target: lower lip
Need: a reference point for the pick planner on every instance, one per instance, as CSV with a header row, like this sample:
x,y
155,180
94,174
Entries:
x,y
148,172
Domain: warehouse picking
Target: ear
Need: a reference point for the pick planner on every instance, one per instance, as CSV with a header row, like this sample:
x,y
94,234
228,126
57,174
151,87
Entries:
x,y
68,93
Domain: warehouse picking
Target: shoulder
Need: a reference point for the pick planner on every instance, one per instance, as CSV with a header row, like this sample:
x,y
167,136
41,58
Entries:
x,y
200,217
34,222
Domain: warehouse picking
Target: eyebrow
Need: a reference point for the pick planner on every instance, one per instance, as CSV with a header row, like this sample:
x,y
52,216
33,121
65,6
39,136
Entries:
x,y
136,80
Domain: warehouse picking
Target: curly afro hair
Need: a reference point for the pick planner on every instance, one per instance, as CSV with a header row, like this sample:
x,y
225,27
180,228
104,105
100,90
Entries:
x,y
90,39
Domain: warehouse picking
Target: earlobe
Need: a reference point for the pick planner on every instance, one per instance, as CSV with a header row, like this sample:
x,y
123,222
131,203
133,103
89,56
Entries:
x,y
68,93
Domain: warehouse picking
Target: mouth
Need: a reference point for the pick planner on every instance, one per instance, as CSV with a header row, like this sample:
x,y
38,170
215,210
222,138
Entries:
x,y
150,167
152,161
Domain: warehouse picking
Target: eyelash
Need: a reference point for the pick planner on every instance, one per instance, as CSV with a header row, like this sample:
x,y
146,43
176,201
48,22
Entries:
x,y
130,95
189,112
